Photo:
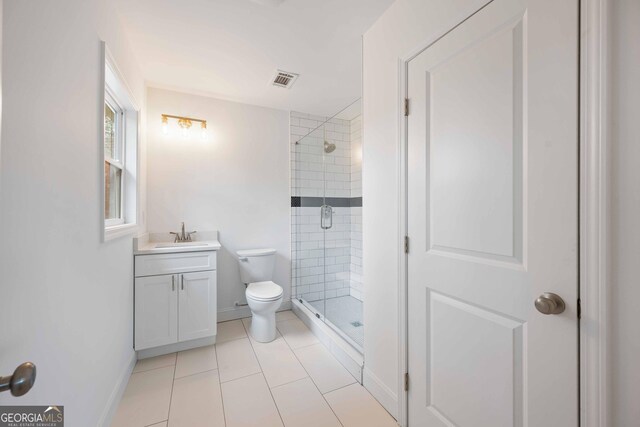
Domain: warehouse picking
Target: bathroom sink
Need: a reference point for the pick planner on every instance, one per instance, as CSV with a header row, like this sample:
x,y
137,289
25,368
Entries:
x,y
160,244
181,245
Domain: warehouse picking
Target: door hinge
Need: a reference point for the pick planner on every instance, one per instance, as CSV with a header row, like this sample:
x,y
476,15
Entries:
x,y
406,107
406,381
579,309
406,244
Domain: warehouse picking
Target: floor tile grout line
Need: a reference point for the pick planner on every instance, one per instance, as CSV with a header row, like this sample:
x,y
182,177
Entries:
x,y
231,320
232,340
151,369
196,373
264,377
341,387
291,350
306,346
326,348
239,378
175,360
291,382
317,388
337,360
311,378
224,414
173,382
302,346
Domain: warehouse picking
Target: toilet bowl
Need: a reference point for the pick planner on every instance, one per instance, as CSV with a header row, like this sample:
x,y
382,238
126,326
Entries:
x,y
264,297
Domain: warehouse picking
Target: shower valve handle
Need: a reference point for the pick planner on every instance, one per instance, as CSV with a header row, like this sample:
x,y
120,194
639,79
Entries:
x,y
326,212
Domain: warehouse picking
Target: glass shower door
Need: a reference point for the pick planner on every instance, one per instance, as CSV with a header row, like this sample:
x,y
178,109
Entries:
x,y
341,310
326,213
308,199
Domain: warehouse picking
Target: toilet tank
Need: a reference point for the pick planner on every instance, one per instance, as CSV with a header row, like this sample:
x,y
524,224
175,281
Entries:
x,y
256,265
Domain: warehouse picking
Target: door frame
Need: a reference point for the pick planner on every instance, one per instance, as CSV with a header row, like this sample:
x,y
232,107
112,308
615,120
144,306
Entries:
x,y
593,196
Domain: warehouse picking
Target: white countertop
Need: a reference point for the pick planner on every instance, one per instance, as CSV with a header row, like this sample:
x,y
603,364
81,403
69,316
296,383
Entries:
x,y
163,243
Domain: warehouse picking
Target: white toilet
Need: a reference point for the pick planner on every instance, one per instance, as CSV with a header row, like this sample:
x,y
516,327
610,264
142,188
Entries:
x,y
263,296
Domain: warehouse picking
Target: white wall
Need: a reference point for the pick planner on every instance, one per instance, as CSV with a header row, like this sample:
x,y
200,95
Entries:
x,y
624,212
1,7
236,182
67,297
406,26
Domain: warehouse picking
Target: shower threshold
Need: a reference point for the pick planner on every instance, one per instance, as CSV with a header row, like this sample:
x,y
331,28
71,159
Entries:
x,y
344,314
339,344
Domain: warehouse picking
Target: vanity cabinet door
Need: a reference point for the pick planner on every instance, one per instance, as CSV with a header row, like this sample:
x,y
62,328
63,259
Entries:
x,y
197,305
156,311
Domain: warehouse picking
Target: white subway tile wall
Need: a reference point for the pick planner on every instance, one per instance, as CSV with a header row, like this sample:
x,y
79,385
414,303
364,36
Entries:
x,y
325,263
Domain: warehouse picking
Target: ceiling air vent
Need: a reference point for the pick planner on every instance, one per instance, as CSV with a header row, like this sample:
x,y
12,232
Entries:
x,y
284,79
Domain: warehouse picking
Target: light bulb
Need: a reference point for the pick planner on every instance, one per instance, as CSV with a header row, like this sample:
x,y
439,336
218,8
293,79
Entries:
x,y
185,125
203,130
165,125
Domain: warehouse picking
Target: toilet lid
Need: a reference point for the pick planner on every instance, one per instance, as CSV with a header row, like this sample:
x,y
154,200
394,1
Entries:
x,y
264,291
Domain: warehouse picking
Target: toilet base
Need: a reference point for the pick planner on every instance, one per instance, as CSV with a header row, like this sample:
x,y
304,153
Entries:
x,y
263,327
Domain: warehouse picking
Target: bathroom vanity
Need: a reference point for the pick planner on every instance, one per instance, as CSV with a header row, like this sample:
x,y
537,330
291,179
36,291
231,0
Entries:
x,y
175,288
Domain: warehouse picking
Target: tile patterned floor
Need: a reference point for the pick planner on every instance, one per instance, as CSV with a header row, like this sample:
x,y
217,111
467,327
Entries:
x,y
293,381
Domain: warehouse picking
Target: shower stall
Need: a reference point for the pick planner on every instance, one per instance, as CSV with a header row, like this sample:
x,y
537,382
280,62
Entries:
x,y
326,219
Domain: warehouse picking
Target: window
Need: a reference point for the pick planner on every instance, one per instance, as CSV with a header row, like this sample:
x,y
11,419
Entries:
x,y
120,147
113,161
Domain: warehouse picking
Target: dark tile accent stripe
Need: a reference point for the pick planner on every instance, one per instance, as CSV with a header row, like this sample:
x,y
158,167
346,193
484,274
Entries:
x,y
316,202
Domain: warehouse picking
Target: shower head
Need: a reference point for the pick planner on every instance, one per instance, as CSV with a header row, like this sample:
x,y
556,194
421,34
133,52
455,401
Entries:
x,y
328,148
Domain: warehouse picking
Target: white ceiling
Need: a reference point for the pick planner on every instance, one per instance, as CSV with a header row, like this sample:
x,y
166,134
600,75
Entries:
x,y
231,48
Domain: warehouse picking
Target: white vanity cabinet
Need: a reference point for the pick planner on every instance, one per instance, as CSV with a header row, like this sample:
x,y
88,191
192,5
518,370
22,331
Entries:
x,y
156,311
175,299
197,305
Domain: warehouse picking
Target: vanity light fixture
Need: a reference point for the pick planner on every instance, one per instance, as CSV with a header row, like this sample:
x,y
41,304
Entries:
x,y
185,124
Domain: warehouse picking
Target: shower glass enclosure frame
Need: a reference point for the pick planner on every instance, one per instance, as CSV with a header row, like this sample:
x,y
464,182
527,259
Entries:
x,y
326,221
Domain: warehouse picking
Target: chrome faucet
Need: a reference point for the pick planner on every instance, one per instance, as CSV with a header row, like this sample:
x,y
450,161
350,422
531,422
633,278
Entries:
x,y
183,236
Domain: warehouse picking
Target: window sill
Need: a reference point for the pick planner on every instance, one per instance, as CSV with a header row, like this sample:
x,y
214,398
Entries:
x,y
116,231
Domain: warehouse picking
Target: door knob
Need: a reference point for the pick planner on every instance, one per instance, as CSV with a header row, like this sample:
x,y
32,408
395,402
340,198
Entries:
x,y
549,303
21,381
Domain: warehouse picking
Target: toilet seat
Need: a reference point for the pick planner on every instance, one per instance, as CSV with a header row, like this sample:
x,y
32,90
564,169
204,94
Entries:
x,y
264,291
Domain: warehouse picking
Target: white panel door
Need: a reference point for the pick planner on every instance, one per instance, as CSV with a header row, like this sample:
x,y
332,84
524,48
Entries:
x,y
197,305
156,311
492,217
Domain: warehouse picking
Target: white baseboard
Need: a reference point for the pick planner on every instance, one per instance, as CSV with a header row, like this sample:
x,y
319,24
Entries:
x,y
233,313
116,394
175,347
387,398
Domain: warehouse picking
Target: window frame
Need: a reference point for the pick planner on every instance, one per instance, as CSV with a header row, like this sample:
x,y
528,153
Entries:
x,y
117,93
